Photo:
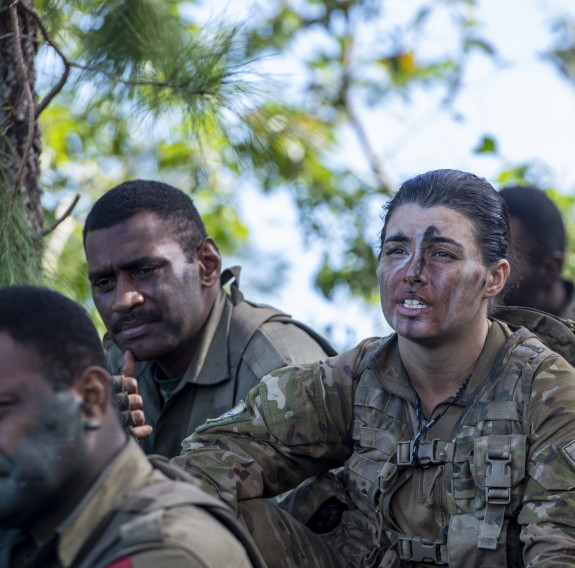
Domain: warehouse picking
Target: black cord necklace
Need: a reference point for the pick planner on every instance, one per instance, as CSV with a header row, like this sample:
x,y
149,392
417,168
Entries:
x,y
422,430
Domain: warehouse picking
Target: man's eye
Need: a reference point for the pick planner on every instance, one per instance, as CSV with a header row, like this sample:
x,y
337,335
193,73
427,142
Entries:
x,y
146,271
104,283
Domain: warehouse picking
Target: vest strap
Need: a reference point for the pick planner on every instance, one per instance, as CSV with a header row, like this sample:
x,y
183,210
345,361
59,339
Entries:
x,y
497,491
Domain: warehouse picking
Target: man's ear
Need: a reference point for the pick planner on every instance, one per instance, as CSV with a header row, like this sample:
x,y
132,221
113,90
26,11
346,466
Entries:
x,y
95,388
209,262
496,277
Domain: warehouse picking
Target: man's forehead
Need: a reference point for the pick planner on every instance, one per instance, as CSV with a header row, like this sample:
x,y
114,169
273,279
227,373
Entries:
x,y
16,361
128,242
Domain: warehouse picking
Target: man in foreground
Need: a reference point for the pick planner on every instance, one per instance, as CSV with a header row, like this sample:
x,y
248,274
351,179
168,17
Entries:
x,y
74,491
157,283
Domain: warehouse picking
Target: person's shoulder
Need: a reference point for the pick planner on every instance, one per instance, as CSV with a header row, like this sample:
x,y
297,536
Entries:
x,y
547,334
203,536
172,522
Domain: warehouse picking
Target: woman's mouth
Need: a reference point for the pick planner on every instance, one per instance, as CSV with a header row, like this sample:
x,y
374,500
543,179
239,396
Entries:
x,y
414,304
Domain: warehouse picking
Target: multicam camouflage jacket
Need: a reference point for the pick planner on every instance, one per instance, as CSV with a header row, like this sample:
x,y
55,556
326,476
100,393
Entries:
x,y
496,486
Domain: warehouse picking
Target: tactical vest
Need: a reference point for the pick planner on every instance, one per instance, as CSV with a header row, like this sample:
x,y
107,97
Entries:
x,y
135,525
484,464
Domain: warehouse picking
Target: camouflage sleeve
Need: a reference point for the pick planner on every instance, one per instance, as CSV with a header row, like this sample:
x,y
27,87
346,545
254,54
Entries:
x,y
296,423
547,517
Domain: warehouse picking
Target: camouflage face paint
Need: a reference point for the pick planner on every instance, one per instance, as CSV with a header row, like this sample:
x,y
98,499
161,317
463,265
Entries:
x,y
42,440
431,274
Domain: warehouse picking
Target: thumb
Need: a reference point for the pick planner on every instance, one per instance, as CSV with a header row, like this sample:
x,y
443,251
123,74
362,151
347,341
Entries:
x,y
129,366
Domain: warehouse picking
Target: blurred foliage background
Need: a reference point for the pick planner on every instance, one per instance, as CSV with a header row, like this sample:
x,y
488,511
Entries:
x,y
168,89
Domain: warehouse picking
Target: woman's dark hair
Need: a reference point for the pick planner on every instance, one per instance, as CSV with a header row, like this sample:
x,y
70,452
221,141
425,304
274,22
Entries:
x,y
465,193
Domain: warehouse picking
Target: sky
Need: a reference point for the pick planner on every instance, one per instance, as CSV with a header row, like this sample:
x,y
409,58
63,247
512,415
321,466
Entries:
x,y
521,99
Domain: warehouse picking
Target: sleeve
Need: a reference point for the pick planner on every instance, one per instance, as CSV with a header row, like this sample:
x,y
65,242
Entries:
x,y
547,517
295,424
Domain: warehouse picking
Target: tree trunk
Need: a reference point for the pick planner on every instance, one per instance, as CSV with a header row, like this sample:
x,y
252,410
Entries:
x,y
20,206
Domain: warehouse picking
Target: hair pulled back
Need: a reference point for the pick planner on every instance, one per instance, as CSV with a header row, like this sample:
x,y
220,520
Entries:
x,y
465,193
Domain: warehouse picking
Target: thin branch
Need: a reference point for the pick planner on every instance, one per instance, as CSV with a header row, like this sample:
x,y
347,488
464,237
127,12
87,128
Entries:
x,y
60,84
48,230
360,131
23,72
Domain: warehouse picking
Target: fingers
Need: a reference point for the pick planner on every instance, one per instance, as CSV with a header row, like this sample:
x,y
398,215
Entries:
x,y
130,385
141,432
117,383
136,402
129,366
136,419
122,401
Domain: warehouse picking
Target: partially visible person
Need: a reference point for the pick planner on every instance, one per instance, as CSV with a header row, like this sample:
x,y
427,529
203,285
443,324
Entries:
x,y
157,283
539,241
455,434
74,491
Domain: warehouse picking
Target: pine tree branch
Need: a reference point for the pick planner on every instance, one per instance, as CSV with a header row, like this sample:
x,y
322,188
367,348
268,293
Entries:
x,y
68,64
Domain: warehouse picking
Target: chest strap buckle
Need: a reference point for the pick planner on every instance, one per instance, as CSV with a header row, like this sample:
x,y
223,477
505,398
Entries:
x,y
498,480
428,453
418,549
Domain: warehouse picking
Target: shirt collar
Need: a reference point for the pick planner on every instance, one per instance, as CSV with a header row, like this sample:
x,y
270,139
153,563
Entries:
x,y
209,365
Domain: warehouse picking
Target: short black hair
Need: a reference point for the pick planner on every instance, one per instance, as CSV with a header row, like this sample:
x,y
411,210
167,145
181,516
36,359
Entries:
x,y
136,196
56,328
466,193
540,219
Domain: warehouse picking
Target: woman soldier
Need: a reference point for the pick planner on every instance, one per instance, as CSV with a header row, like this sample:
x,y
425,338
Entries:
x,y
456,434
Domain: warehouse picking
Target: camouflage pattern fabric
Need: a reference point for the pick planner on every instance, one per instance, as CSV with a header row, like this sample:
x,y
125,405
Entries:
x,y
499,487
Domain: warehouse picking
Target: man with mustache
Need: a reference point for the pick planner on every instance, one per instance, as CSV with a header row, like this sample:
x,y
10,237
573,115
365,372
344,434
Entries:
x,y
157,283
74,490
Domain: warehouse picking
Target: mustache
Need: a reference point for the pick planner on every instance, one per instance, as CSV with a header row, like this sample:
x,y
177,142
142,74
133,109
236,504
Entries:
x,y
133,319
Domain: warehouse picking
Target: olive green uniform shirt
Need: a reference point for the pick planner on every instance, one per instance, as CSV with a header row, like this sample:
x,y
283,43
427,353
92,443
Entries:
x,y
193,401
184,536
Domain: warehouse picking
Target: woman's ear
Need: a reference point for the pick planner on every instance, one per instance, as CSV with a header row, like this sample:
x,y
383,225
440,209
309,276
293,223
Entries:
x,y
496,278
209,262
